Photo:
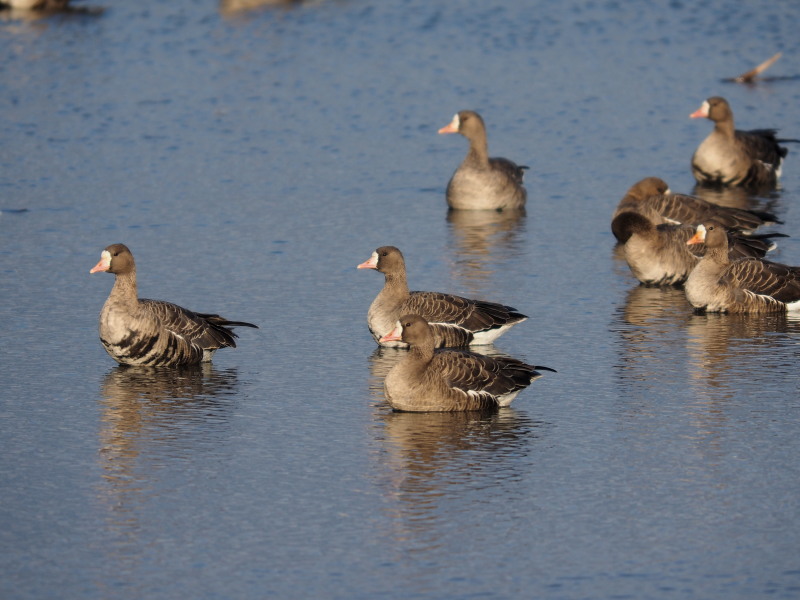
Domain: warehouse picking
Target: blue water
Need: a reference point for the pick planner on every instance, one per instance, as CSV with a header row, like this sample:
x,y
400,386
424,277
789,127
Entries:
x,y
251,160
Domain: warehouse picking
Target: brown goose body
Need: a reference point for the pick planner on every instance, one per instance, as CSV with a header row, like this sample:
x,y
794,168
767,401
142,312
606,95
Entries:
x,y
428,380
456,321
41,5
729,157
658,254
482,182
746,285
651,195
154,333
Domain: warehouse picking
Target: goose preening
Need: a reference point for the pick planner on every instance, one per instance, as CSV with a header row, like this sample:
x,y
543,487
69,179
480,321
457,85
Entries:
x,y
731,157
657,253
653,195
456,321
746,285
481,182
752,74
450,380
137,331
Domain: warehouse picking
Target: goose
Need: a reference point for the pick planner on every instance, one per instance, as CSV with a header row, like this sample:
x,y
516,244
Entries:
x,y
450,380
137,331
746,285
481,182
36,4
730,157
657,254
456,321
653,194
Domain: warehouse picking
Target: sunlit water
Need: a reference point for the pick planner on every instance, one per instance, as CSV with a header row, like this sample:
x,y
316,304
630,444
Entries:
x,y
251,159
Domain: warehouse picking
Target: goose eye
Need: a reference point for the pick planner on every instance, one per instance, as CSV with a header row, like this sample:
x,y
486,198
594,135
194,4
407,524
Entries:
x,y
384,253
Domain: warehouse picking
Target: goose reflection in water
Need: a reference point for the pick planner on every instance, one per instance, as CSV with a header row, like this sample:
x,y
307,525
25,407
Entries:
x,y
430,461
239,7
735,197
481,239
151,416
728,353
650,327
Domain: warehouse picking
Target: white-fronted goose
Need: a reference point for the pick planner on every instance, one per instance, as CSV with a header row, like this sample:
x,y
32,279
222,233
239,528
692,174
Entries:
x,y
653,194
154,333
657,254
450,380
43,5
456,321
481,182
747,285
735,158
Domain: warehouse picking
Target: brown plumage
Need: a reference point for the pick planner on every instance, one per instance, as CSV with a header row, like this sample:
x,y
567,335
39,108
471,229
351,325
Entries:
x,y
746,285
456,321
481,182
730,157
652,194
40,5
153,332
657,254
450,380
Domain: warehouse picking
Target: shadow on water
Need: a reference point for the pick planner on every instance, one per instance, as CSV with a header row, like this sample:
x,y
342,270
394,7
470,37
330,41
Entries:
x,y
480,239
150,417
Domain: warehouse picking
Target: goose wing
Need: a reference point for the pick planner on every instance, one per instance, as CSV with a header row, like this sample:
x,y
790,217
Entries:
x,y
447,309
204,331
483,376
682,208
779,281
514,171
762,144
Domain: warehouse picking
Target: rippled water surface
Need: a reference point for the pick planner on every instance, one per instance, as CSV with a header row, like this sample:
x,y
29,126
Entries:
x,y
251,158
